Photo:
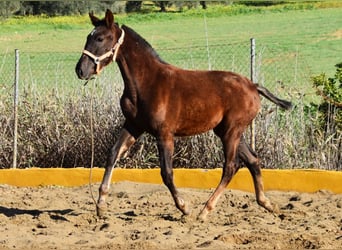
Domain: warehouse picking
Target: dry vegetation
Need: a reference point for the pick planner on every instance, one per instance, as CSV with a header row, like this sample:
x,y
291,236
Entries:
x,y
55,132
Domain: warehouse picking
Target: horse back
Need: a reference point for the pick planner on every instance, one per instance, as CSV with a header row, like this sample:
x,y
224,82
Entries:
x,y
192,102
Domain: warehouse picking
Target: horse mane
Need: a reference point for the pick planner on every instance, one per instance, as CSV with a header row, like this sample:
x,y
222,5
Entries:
x,y
143,42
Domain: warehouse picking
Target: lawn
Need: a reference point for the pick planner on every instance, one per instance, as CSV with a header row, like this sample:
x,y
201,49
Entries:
x,y
314,33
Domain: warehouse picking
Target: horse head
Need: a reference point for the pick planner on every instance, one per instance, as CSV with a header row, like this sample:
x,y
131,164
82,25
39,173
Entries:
x,y
101,46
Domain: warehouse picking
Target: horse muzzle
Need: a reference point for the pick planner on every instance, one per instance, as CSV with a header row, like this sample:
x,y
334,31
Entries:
x,y
84,68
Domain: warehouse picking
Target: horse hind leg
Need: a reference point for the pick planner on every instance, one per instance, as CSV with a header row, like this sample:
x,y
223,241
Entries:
x,y
248,156
230,143
125,140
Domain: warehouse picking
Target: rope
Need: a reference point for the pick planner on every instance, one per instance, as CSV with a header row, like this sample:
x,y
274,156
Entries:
x,y
92,142
97,61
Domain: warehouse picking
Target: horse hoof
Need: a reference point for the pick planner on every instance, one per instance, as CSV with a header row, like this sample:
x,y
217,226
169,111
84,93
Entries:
x,y
183,206
202,217
100,210
275,209
186,210
265,203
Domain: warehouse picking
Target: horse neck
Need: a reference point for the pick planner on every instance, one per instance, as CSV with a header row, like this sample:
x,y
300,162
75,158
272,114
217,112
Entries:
x,y
136,60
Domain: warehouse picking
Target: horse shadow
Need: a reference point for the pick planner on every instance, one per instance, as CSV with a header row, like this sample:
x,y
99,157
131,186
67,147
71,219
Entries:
x,y
55,214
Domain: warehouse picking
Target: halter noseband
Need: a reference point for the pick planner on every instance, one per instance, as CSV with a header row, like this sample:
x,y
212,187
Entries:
x,y
113,52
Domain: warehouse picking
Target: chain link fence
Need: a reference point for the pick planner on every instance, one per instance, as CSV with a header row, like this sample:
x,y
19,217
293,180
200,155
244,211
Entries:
x,y
54,111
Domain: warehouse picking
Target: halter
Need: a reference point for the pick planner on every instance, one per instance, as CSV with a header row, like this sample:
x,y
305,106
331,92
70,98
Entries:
x,y
113,52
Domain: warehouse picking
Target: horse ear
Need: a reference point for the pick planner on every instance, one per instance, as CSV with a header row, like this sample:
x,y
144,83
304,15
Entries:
x,y
94,20
109,18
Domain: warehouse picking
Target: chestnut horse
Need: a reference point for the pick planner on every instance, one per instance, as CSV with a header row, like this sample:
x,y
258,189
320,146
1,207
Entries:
x,y
167,101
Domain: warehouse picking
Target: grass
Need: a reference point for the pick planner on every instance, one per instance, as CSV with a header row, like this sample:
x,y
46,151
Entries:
x,y
304,37
308,28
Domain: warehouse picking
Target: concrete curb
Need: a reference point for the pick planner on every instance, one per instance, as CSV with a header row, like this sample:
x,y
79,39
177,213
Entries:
x,y
282,180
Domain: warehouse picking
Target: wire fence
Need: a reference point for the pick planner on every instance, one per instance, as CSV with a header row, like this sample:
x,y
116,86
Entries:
x,y
54,119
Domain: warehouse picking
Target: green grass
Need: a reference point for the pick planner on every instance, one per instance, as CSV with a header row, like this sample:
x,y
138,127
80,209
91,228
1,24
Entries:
x,y
312,31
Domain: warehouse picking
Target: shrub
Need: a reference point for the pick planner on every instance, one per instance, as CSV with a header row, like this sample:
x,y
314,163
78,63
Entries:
x,y
329,110
327,124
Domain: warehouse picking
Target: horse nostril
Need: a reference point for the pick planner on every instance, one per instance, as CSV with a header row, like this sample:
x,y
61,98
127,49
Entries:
x,y
79,72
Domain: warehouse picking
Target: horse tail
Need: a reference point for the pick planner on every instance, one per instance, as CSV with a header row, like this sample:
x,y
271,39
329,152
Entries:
x,y
266,93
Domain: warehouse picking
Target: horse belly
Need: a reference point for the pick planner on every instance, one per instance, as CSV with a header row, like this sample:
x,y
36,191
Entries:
x,y
197,120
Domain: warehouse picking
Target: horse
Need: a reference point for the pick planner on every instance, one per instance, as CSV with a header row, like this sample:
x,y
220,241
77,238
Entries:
x,y
166,102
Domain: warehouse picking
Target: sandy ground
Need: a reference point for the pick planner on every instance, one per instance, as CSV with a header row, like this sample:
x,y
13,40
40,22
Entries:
x,y
143,216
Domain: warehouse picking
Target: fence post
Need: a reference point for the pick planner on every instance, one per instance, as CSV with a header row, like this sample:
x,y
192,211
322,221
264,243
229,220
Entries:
x,y
207,42
15,108
253,79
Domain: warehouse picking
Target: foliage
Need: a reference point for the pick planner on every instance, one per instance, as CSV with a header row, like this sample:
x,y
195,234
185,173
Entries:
x,y
57,8
7,8
330,90
331,87
132,6
326,126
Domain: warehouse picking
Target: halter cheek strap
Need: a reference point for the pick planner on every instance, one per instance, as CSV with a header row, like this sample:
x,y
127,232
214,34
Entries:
x,y
113,52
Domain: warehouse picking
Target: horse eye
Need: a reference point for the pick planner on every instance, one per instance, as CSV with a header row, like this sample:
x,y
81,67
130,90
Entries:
x,y
99,39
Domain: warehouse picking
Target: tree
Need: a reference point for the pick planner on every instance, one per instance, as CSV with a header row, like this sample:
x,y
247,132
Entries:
x,y
7,8
133,6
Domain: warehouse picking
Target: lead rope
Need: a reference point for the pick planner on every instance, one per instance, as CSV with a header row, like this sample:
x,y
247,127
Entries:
x,y
97,60
92,142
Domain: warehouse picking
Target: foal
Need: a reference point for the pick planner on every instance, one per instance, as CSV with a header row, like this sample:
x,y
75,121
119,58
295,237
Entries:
x,y
167,101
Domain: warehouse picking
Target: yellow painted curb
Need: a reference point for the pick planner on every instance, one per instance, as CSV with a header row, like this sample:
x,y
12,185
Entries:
x,y
282,180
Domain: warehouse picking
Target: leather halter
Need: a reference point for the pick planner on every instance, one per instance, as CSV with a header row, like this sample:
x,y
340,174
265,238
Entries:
x,y
113,52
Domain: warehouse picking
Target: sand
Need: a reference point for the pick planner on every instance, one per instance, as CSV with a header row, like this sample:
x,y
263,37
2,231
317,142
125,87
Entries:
x,y
143,216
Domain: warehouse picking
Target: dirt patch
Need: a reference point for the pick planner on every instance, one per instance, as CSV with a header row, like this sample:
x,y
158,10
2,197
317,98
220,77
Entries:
x,y
143,216
337,34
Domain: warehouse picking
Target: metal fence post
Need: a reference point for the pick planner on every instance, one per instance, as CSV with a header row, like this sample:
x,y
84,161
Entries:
x,y
253,79
207,42
15,109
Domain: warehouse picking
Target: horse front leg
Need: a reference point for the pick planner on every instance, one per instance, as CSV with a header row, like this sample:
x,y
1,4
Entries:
x,y
166,149
125,141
